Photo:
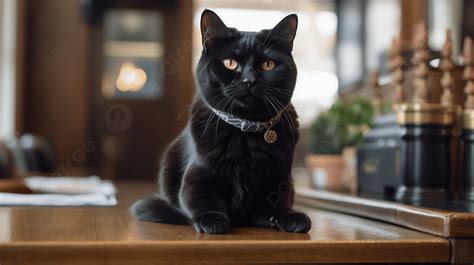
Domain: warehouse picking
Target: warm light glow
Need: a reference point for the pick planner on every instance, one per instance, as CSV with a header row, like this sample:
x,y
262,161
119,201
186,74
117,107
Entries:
x,y
131,78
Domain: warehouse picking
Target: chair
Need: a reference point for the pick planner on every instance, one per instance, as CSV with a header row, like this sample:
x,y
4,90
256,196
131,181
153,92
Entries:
x,y
38,153
5,162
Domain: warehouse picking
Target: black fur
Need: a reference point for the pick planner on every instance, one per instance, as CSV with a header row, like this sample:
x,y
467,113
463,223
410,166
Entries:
x,y
155,209
213,175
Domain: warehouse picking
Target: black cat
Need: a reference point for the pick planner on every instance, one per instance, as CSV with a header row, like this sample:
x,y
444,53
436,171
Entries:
x,y
231,165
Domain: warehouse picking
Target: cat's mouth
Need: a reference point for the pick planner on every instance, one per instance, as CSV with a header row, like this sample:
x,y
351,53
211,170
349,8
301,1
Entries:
x,y
248,100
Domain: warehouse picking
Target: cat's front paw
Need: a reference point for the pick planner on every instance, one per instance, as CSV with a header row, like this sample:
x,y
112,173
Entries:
x,y
212,223
292,222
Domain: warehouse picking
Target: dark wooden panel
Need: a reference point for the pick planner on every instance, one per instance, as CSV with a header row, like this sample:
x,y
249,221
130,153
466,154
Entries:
x,y
61,99
462,250
55,97
413,12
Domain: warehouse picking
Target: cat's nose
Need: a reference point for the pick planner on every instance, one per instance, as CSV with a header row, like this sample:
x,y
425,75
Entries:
x,y
249,77
250,81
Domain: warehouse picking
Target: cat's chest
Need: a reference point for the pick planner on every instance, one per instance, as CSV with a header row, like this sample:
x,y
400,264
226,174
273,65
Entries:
x,y
248,154
246,165
236,154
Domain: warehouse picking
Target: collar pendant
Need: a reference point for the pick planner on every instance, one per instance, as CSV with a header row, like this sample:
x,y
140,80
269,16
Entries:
x,y
270,136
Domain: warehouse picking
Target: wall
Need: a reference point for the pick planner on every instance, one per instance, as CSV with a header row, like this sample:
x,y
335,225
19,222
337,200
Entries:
x,y
55,93
60,97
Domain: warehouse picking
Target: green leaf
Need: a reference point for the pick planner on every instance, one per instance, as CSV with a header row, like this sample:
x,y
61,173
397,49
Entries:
x,y
342,125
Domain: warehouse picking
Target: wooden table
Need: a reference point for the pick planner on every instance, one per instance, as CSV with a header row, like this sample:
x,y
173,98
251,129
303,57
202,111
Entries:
x,y
455,226
109,235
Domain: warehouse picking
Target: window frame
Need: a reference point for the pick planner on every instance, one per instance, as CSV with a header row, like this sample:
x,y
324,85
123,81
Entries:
x,y
8,31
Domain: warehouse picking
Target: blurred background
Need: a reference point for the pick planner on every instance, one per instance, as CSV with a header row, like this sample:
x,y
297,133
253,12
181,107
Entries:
x,y
101,87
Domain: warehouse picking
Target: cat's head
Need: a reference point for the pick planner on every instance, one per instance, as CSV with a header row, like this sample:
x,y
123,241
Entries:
x,y
249,74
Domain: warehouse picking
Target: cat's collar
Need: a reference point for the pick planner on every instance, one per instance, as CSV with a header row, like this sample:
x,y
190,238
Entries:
x,y
246,125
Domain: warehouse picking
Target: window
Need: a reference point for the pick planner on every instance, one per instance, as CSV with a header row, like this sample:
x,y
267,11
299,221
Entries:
x,y
383,20
7,66
365,32
133,51
445,14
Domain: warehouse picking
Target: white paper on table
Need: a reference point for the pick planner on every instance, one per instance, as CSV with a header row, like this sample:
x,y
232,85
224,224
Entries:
x,y
70,185
57,199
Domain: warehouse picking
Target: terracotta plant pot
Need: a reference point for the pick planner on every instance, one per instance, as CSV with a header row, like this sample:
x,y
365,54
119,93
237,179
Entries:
x,y
326,171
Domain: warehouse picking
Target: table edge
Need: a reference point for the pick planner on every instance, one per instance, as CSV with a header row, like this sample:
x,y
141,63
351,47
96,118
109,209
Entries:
x,y
441,223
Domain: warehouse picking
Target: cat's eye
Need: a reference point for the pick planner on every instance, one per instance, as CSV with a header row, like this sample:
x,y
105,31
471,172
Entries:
x,y
268,65
230,64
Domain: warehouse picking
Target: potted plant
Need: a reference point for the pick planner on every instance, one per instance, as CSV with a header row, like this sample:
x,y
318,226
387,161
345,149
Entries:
x,y
342,126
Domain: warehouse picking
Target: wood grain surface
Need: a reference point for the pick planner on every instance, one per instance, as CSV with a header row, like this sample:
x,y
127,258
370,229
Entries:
x,y
442,223
109,235
462,250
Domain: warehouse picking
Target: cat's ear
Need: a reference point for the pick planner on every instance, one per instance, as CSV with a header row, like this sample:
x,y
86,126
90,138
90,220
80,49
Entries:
x,y
286,29
212,28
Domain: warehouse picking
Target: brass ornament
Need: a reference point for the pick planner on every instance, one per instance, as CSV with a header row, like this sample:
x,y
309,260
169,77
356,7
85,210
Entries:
x,y
447,65
377,95
270,136
426,113
396,61
468,73
420,60
468,119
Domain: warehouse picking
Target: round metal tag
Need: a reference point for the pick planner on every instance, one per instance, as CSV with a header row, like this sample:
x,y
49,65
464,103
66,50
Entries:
x,y
270,136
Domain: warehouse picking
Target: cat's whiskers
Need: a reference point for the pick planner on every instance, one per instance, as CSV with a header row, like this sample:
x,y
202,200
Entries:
x,y
209,119
224,101
283,91
277,92
281,94
267,106
229,100
286,114
283,113
197,111
276,110
272,105
185,108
